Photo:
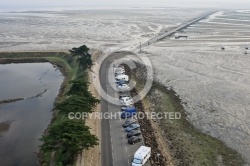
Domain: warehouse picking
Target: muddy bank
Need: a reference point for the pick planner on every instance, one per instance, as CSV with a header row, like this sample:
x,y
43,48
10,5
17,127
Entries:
x,y
10,101
4,127
7,101
26,60
148,134
31,54
187,145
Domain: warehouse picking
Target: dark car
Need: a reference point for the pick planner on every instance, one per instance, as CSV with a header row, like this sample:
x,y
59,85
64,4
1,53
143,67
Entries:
x,y
128,122
134,139
124,95
121,82
134,126
133,133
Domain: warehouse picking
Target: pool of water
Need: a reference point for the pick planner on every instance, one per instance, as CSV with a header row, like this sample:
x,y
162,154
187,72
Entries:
x,y
38,84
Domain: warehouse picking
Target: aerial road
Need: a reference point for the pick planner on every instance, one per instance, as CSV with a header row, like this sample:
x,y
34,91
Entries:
x,y
115,150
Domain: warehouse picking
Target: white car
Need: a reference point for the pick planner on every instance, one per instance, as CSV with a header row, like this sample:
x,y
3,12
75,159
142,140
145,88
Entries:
x,y
122,87
119,73
126,101
122,77
119,70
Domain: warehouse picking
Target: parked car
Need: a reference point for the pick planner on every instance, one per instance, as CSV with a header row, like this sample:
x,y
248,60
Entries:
x,y
141,156
125,108
131,127
119,71
123,88
126,101
124,95
128,122
133,133
122,77
134,139
119,68
128,112
121,83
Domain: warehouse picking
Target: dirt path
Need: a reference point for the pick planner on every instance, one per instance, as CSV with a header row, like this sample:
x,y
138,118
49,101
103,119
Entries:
x,y
92,156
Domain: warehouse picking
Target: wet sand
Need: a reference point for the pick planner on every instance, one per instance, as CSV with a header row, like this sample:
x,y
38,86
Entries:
x,y
56,30
212,83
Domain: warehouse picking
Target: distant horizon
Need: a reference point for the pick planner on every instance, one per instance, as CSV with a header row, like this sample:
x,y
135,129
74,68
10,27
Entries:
x,y
62,8
110,4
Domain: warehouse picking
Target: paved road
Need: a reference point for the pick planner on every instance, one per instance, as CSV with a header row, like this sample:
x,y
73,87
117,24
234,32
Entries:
x,y
106,157
115,151
180,27
114,148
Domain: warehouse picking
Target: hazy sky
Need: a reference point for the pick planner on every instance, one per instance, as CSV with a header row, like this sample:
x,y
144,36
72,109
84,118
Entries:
x,y
245,4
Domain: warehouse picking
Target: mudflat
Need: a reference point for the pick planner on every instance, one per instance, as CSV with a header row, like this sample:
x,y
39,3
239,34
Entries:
x,y
4,126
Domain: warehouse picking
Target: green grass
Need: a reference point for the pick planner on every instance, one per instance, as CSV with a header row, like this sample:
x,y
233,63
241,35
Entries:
x,y
189,146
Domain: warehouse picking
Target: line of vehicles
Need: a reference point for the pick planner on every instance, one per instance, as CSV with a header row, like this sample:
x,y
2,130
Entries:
x,y
128,111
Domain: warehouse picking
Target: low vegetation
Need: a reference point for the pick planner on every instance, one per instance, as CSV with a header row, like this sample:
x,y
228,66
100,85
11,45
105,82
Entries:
x,y
188,145
66,138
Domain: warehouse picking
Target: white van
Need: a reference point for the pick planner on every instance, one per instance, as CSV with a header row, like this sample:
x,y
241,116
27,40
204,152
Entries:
x,y
118,70
141,156
122,78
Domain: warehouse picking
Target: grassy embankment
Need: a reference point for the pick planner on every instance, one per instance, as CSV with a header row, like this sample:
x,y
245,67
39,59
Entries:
x,y
188,146
60,154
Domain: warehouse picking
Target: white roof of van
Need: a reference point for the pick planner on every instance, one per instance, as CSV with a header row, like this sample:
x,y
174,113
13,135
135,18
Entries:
x,y
141,152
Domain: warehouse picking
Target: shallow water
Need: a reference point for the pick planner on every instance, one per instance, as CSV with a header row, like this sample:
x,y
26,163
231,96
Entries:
x,y
28,118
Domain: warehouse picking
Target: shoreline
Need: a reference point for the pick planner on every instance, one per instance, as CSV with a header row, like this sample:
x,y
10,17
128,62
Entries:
x,y
187,145
18,51
7,101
